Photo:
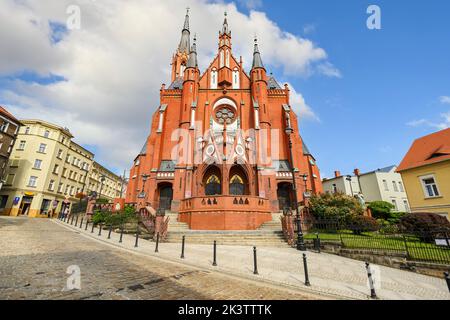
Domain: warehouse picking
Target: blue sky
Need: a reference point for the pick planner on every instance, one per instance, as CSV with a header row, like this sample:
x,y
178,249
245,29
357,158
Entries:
x,y
390,77
391,85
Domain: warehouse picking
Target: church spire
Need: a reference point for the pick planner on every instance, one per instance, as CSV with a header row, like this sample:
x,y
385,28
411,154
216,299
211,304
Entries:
x,y
185,35
225,29
192,62
257,61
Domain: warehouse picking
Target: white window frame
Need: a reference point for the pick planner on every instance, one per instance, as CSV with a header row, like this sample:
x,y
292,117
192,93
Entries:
x,y
385,185
42,146
32,182
425,190
394,184
37,164
22,145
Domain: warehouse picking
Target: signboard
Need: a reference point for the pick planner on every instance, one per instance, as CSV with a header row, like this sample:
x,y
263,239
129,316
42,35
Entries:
x,y
16,201
442,242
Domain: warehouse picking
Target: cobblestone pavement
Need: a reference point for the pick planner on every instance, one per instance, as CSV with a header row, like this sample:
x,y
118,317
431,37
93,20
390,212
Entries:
x,y
330,275
35,254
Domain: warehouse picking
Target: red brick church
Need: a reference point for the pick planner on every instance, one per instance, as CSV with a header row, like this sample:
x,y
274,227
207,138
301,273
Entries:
x,y
219,148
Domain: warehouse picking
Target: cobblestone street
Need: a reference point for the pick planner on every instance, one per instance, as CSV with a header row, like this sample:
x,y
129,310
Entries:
x,y
35,254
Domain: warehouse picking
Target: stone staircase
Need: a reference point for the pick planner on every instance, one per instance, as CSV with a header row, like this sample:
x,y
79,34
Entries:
x,y
270,234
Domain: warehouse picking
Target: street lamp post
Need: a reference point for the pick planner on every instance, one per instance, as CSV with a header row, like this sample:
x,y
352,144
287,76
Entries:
x,y
300,240
144,180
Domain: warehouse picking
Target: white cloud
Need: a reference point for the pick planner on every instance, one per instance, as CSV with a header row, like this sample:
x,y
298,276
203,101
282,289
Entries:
x,y
300,107
309,28
115,64
444,123
444,99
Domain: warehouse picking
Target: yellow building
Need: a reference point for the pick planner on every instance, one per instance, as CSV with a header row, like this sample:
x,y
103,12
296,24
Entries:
x,y
46,171
425,172
106,184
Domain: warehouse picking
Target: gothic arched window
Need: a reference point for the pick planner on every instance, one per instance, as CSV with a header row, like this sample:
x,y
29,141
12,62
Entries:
x,y
213,186
237,186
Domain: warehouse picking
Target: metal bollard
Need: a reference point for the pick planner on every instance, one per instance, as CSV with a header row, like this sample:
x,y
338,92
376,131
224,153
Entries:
x,y
317,242
157,242
447,278
373,294
93,226
63,217
121,234
110,230
71,220
81,222
255,262
215,254
305,266
182,247
137,237
100,230
76,221
87,223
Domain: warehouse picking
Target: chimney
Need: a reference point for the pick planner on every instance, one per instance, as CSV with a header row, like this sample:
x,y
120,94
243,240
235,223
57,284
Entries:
x,y
357,172
337,174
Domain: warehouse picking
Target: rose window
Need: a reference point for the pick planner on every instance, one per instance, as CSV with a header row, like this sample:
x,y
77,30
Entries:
x,y
225,116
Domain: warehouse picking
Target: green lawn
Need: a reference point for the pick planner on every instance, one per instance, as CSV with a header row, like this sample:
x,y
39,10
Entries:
x,y
417,250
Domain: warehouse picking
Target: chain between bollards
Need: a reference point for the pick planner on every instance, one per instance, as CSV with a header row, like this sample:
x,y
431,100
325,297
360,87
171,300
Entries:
x,y
447,278
305,266
100,230
110,230
121,234
157,242
137,237
215,254
373,294
182,247
255,262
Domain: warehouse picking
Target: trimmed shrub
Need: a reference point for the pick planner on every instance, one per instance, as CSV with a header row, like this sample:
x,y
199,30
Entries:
x,y
426,226
360,224
381,209
334,206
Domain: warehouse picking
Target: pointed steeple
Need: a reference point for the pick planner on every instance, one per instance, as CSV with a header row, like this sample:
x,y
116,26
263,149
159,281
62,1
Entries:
x,y
225,29
185,36
192,62
257,61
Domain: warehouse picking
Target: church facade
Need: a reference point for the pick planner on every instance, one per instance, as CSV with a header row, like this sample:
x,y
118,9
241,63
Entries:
x,y
224,147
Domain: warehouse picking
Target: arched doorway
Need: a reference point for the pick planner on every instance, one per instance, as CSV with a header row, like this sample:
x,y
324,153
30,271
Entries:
x,y
238,181
165,196
213,181
284,193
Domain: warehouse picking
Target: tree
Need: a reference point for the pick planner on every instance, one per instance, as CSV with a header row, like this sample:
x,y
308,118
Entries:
x,y
336,206
381,209
427,226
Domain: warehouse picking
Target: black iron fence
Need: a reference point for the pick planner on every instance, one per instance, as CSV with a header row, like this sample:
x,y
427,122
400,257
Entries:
x,y
415,245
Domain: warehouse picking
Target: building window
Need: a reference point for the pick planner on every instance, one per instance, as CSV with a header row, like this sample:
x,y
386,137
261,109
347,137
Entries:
x,y
60,187
401,187
60,152
22,145
56,169
385,184
395,186
10,179
430,187
335,188
213,186
394,202
406,206
51,185
4,126
32,182
42,148
64,172
37,164
27,130
46,134
68,158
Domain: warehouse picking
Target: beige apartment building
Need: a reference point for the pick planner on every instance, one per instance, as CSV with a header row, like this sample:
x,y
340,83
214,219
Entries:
x,y
106,184
45,172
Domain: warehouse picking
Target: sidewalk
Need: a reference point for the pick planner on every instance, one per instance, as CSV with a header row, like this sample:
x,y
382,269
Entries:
x,y
330,275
